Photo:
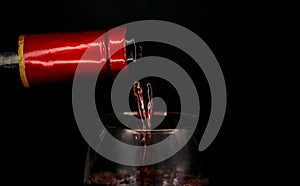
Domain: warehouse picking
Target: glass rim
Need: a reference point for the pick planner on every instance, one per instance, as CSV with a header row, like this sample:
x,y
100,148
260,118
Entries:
x,y
155,130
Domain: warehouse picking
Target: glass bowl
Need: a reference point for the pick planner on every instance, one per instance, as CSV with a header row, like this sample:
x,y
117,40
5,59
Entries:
x,y
182,168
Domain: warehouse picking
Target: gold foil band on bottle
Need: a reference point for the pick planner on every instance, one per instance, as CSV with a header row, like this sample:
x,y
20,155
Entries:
x,y
22,61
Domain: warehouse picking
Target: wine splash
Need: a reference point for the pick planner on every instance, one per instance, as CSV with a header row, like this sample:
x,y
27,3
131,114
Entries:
x,y
145,107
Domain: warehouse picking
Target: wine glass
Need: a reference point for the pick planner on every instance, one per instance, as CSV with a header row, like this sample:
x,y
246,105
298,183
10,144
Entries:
x,y
183,168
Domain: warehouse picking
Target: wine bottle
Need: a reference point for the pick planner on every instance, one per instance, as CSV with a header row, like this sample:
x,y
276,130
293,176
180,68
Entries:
x,y
48,58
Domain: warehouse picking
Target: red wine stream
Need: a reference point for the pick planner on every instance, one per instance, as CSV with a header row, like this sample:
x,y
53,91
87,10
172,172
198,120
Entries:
x,y
145,107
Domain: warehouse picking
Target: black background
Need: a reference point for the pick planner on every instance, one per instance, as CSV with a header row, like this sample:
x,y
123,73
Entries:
x,y
40,142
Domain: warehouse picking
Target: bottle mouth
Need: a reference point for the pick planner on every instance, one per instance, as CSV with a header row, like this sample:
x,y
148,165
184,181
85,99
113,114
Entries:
x,y
133,51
